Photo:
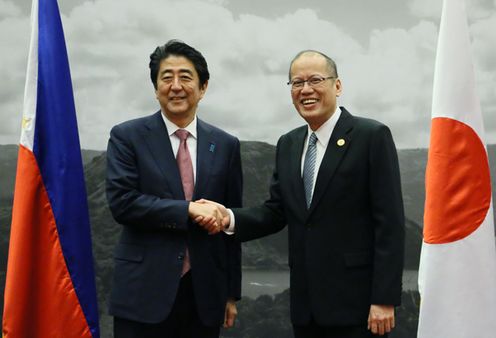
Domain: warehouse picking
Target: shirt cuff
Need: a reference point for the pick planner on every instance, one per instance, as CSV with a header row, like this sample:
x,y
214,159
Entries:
x,y
231,228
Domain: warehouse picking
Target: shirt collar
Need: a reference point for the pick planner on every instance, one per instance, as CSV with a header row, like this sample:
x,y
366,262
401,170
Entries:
x,y
172,127
325,130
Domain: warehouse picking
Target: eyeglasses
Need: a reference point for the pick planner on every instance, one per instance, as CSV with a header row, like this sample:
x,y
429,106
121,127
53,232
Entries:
x,y
312,82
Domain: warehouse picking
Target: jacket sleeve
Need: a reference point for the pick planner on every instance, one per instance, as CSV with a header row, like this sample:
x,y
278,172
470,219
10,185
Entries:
x,y
128,204
263,220
388,217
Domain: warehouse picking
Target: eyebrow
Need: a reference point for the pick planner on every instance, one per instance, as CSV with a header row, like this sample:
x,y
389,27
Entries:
x,y
181,71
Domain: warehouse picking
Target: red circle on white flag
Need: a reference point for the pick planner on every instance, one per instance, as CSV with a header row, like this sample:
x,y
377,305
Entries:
x,y
457,182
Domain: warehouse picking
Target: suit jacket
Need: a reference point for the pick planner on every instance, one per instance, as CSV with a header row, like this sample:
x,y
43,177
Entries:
x,y
146,197
346,250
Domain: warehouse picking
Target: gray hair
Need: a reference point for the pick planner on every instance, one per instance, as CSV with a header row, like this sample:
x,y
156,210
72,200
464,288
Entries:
x,y
331,65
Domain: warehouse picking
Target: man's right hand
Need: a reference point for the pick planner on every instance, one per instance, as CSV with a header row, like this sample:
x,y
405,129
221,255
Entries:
x,y
208,215
205,222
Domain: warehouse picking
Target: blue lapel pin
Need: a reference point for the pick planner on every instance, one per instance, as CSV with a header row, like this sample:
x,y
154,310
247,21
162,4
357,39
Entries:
x,y
212,147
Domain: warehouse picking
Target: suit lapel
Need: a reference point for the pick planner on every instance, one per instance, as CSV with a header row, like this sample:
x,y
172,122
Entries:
x,y
205,156
158,141
296,152
336,149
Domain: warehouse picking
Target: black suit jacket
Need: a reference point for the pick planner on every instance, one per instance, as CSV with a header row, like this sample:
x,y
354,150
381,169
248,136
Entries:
x,y
346,251
145,195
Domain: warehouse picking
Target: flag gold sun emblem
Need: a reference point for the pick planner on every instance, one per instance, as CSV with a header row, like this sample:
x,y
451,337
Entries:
x,y
25,122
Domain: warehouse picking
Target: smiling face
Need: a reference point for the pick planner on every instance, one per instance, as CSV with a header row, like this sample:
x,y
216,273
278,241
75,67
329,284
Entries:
x,y
178,89
315,104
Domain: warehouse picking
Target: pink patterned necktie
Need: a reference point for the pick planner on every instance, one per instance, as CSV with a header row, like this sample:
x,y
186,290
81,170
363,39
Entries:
x,y
187,178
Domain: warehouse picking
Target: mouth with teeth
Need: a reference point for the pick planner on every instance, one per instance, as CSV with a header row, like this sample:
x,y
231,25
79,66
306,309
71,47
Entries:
x,y
177,98
307,102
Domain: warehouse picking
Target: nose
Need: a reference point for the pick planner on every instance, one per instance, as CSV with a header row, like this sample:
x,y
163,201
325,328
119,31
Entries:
x,y
176,83
306,88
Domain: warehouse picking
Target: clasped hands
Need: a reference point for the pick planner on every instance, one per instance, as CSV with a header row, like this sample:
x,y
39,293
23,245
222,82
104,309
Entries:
x,y
211,216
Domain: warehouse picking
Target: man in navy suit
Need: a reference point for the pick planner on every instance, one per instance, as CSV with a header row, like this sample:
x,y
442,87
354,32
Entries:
x,y
336,185
173,279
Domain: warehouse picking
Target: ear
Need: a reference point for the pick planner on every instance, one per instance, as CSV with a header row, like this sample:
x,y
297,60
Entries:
x,y
338,86
203,89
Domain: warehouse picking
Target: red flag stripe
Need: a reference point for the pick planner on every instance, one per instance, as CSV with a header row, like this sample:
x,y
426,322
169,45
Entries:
x,y
35,257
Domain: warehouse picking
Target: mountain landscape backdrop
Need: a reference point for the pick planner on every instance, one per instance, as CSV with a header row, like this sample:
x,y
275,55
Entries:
x,y
265,316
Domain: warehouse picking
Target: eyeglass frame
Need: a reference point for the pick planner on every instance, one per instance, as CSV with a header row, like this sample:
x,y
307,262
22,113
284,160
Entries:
x,y
321,78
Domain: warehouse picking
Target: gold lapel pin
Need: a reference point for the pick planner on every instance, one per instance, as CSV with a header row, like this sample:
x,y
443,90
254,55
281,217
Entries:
x,y
340,142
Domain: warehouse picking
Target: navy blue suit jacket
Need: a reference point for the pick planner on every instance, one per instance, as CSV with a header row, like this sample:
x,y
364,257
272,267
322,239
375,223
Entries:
x,y
346,250
145,195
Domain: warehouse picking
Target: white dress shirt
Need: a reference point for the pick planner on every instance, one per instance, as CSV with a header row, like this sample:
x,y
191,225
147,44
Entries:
x,y
191,141
323,135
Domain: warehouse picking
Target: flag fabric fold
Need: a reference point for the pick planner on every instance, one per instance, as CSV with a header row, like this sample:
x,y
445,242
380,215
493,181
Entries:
x,y
457,273
50,284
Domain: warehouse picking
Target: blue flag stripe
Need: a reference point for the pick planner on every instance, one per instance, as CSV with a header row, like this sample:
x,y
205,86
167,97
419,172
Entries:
x,y
57,150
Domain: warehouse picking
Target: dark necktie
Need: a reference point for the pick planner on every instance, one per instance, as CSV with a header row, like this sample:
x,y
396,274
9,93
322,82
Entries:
x,y
185,166
309,168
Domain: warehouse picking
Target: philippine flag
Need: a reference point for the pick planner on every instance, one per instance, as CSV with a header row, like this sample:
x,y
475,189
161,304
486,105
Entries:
x,y
50,287
457,276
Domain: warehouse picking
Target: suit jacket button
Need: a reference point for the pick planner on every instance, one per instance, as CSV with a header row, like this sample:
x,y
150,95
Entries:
x,y
180,257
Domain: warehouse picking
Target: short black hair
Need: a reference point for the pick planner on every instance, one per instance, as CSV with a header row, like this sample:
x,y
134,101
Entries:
x,y
331,65
178,48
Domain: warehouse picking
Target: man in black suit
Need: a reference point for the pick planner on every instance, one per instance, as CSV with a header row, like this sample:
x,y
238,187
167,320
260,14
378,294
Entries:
x,y
172,279
336,184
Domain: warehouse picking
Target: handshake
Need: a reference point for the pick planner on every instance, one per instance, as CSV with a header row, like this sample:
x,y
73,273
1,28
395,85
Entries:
x,y
211,216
